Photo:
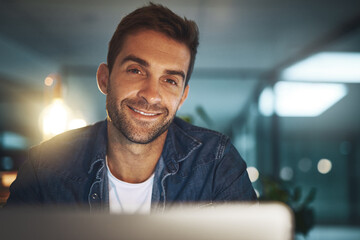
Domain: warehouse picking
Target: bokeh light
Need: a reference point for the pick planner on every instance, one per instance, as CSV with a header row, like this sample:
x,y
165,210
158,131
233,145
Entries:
x,y
304,164
324,166
49,81
286,173
253,174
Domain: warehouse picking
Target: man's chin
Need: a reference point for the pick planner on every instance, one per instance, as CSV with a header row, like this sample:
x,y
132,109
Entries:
x,y
142,134
141,139
138,131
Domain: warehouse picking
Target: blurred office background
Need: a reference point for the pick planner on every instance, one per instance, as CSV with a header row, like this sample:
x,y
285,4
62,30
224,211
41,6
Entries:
x,y
280,77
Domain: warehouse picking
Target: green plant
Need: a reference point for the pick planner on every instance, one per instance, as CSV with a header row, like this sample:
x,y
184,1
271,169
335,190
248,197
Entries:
x,y
277,190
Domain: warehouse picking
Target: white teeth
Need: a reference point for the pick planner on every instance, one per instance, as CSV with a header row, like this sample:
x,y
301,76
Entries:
x,y
142,113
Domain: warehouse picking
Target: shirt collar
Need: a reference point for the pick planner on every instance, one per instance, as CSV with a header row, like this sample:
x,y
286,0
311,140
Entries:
x,y
179,143
100,145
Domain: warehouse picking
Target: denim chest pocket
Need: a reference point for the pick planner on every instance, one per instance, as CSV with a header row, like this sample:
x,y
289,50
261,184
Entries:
x,y
196,185
201,166
194,174
49,173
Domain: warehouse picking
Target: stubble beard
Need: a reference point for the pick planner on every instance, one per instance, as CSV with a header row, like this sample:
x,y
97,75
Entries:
x,y
145,134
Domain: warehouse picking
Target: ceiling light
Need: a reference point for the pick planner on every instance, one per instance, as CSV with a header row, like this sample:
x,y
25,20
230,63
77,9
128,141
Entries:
x,y
266,102
295,99
326,67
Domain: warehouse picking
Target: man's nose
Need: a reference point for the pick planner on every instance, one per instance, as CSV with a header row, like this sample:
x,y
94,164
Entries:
x,y
150,91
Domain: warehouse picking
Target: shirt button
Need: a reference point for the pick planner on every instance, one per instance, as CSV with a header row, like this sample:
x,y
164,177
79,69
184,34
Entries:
x,y
94,196
172,167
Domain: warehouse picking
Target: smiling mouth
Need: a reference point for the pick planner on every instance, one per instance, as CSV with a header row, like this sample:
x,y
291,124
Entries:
x,y
143,113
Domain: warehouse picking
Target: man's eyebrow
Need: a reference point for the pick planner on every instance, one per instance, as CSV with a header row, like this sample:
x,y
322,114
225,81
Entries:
x,y
135,59
144,63
175,72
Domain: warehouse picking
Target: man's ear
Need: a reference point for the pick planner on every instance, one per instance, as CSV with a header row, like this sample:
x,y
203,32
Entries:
x,y
184,96
102,77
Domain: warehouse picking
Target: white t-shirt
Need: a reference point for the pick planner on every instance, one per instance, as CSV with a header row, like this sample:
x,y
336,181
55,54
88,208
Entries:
x,y
129,197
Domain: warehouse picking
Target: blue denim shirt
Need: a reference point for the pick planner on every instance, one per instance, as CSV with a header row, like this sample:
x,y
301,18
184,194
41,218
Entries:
x,y
197,165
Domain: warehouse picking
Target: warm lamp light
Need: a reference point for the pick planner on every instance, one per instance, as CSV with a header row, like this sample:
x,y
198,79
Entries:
x,y
8,178
77,123
55,117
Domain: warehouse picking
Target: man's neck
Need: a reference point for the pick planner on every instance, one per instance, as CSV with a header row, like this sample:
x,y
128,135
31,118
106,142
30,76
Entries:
x,y
132,162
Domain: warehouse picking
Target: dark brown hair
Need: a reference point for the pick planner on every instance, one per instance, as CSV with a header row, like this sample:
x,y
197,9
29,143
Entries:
x,y
161,19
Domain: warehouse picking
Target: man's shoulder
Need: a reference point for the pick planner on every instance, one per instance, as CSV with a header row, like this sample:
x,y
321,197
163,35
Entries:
x,y
71,147
200,133
72,138
188,137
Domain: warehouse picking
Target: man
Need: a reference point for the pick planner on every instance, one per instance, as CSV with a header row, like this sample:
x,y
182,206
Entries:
x,y
141,158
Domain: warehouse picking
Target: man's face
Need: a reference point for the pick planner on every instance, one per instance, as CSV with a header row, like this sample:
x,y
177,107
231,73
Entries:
x,y
147,85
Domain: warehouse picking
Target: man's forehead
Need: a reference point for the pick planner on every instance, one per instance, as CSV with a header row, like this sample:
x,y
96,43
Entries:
x,y
156,46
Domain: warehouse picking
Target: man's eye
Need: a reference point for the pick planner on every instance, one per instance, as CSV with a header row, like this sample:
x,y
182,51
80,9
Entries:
x,y
172,82
134,70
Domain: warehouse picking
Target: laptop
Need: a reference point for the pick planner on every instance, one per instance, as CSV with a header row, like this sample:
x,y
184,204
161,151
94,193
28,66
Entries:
x,y
186,222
